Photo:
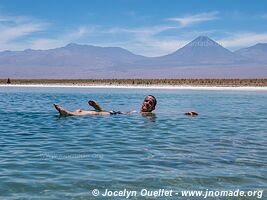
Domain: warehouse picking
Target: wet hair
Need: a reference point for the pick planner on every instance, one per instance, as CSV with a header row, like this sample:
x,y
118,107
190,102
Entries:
x,y
155,100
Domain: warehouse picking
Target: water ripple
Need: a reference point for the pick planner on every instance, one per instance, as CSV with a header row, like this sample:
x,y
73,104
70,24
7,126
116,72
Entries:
x,y
42,154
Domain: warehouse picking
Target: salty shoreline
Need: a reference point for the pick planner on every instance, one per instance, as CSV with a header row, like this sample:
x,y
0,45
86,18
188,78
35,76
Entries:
x,y
182,84
143,82
167,87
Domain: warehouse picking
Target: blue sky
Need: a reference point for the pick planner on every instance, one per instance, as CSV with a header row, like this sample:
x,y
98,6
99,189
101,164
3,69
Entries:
x,y
146,27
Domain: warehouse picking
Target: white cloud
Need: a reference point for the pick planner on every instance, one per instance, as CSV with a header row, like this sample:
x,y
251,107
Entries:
x,y
144,40
61,40
194,19
148,46
156,47
239,40
144,31
13,28
14,32
17,33
15,19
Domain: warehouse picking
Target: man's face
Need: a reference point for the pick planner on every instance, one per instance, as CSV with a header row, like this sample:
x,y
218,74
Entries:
x,y
148,104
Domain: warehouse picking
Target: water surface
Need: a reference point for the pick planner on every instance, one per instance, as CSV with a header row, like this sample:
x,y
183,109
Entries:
x,y
44,156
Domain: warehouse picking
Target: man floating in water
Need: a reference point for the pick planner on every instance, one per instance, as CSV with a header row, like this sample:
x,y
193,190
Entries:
x,y
148,106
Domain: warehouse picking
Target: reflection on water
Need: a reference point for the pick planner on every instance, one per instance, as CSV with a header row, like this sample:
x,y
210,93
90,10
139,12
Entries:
x,y
149,116
63,158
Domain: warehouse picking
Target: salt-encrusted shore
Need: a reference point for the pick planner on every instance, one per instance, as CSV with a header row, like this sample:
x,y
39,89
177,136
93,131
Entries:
x,y
167,87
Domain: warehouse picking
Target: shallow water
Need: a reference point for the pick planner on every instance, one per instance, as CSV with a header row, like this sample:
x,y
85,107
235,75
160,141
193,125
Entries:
x,y
44,156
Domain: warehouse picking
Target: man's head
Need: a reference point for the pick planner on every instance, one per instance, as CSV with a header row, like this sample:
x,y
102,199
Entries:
x,y
149,104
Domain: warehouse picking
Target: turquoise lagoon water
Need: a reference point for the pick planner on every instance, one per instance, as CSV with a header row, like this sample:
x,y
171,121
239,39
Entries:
x,y
43,156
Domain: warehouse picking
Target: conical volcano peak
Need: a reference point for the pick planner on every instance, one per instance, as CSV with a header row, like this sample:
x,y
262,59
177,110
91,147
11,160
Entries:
x,y
202,50
203,41
203,38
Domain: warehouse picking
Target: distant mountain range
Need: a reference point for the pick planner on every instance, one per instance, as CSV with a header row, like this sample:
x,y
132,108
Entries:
x,y
201,58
